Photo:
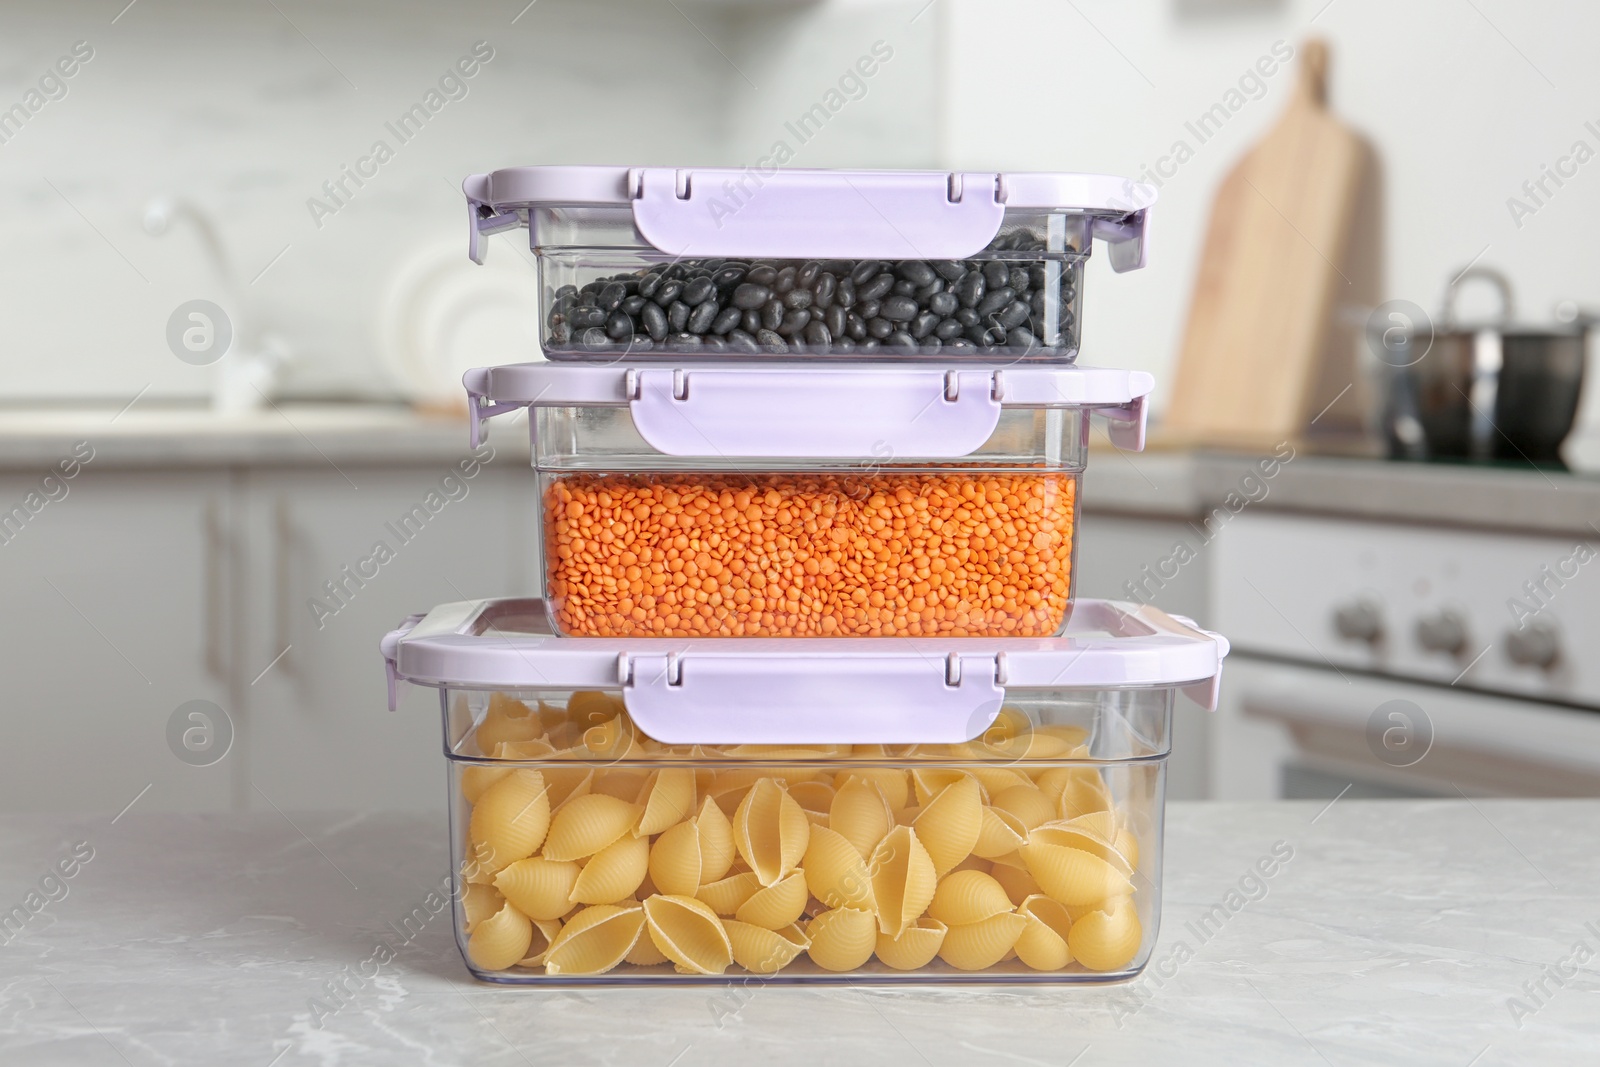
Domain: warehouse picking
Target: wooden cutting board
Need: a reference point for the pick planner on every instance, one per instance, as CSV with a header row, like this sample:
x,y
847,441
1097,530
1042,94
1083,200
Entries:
x,y
1282,255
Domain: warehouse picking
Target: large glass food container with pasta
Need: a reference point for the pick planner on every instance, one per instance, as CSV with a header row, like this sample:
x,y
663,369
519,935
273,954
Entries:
x,y
646,263
790,500
884,810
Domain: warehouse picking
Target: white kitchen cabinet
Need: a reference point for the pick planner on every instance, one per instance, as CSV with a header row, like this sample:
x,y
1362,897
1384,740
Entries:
x,y
338,557
117,598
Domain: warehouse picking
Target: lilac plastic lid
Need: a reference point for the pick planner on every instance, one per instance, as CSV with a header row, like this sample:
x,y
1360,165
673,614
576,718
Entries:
x,y
740,690
797,213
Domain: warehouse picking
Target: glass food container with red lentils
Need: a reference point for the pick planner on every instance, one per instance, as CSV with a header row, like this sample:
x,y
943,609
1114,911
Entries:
x,y
781,499
903,809
646,263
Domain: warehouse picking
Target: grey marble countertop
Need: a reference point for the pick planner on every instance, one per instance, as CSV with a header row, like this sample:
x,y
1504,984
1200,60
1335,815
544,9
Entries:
x,y
1399,932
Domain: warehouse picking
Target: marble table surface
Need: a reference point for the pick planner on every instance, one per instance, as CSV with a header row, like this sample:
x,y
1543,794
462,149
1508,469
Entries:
x,y
1397,932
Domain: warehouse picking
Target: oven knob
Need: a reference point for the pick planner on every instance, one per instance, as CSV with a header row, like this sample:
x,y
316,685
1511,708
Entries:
x,y
1444,632
1534,644
1359,620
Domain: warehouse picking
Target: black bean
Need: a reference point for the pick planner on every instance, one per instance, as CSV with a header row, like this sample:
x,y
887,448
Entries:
x,y
947,329
636,343
929,291
1065,318
978,335
772,314
817,333
880,328
826,285
903,288
877,288
966,317
836,317
741,341
923,324
751,295
560,335
701,318
866,270
762,275
1021,338
750,321
730,275
869,308
785,280
970,289
668,292
678,316
1036,276
619,327
996,274
611,297
562,304
943,304
1012,315
584,317
633,305
727,319
798,298
698,291
649,284
900,339
566,291
715,344
1018,279
869,345
794,321
768,339
655,321
994,300
594,337
917,272
806,276
899,309
949,270
688,340
1036,302
844,345
846,296
959,342
855,326
675,271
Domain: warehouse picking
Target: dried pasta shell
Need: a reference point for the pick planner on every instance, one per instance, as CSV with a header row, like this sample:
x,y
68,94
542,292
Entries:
x,y
543,934
510,820
771,831
930,782
717,851
1072,875
907,815
589,707
1108,938
540,888
588,824
476,778
614,872
675,860
775,906
507,719
842,939
1018,883
1043,943
523,751
835,872
903,880
861,813
814,797
915,948
688,933
1072,735
567,783
551,715
595,939
998,779
1001,832
727,895
979,946
668,798
1069,836
1127,843
762,951
1085,793
478,902
500,940
894,784
624,784
1029,804
968,897
645,954
1103,823
948,825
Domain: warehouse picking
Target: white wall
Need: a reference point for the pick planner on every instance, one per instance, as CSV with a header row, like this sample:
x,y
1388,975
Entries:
x,y
1459,118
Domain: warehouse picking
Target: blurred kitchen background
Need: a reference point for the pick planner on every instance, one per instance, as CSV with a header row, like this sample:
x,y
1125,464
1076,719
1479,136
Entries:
x,y
1407,626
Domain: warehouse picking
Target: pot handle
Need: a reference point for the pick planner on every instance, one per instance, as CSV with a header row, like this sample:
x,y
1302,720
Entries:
x,y
1447,308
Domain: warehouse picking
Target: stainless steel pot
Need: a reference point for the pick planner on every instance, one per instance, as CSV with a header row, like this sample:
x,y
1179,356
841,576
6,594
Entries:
x,y
1486,392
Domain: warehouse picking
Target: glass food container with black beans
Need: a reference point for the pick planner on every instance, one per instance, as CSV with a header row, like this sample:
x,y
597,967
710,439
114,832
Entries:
x,y
642,263
787,500
886,810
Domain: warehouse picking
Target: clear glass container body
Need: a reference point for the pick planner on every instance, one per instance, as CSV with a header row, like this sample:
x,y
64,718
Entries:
x,y
1031,854
636,543
607,294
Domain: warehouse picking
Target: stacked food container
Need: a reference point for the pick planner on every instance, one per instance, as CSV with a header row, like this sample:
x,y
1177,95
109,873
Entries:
x,y
808,695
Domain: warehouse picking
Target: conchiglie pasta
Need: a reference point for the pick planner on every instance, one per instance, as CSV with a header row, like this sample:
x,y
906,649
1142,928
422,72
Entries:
x,y
894,784
762,951
478,777
1018,882
500,940
861,813
916,946
775,906
588,824
929,782
842,939
595,940
1000,832
567,783
1029,805
836,873
507,719
968,897
1085,793
1080,837
771,831
816,798
727,895
478,902
1073,876
1108,938
717,849
675,860
1043,943
979,946
948,825
667,799
903,880
543,934
688,933
624,784
645,954
540,888
614,872
589,707
510,820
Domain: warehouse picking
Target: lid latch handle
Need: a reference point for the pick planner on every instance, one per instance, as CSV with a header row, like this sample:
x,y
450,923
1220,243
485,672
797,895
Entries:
x,y
482,218
390,647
